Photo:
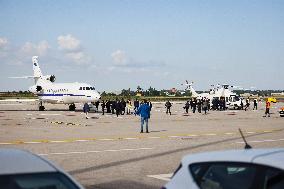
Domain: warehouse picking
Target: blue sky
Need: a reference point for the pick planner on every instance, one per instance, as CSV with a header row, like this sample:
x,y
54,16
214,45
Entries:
x,y
123,44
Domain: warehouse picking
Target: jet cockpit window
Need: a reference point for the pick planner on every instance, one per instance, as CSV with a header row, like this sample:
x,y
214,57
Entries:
x,y
80,88
88,88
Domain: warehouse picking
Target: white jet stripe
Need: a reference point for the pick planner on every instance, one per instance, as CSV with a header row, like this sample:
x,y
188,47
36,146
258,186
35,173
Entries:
x,y
86,152
166,177
154,137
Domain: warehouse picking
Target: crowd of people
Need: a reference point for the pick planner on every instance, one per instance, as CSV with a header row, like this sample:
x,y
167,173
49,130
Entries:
x,y
143,108
118,107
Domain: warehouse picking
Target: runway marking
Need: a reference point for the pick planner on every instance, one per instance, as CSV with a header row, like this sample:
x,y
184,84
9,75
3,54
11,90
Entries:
x,y
192,135
154,137
165,177
261,141
177,136
210,134
50,114
173,136
94,151
130,138
229,133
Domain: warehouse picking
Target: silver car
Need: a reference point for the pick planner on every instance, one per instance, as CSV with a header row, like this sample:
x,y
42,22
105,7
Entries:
x,y
23,170
235,169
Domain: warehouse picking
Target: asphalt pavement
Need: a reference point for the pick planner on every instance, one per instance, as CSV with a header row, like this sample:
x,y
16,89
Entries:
x,y
107,152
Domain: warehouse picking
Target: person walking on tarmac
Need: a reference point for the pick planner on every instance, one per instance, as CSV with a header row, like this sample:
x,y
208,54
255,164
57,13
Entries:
x,y
199,105
97,103
144,112
194,105
168,105
267,108
186,107
136,105
103,104
86,109
255,104
247,104
205,106
118,107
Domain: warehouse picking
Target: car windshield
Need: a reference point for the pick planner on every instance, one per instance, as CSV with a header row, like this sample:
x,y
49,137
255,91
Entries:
x,y
36,181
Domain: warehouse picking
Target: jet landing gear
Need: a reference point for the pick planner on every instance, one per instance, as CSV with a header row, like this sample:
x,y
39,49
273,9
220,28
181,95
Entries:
x,y
41,107
72,107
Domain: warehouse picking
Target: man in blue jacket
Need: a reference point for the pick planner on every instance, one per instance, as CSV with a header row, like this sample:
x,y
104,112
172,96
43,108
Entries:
x,y
144,112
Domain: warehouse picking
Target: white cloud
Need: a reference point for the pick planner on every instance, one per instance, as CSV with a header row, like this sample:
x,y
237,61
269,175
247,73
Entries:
x,y
68,42
35,49
78,57
3,42
119,57
72,50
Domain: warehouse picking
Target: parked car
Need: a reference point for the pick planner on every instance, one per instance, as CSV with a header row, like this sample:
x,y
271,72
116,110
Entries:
x,y
234,169
23,170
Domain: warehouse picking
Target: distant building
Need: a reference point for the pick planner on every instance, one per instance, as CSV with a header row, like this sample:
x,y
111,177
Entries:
x,y
277,94
246,95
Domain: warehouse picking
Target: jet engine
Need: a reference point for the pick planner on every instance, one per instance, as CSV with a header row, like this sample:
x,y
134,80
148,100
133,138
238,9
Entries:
x,y
50,78
35,89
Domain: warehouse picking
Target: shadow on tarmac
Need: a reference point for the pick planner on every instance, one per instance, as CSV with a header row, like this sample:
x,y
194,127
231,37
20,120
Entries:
x,y
121,184
118,163
157,131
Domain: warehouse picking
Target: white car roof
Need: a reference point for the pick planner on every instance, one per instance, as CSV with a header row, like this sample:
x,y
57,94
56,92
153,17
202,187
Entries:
x,y
271,157
14,161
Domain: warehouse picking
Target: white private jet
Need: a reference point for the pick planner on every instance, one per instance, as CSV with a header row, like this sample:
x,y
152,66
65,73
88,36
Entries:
x,y
59,93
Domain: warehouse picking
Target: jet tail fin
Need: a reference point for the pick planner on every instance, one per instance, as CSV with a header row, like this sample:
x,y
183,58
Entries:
x,y
36,68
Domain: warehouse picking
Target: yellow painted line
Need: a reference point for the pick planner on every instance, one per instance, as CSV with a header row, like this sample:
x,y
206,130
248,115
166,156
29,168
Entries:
x,y
130,138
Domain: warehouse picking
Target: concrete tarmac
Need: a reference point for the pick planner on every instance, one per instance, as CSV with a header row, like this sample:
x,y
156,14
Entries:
x,y
107,152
